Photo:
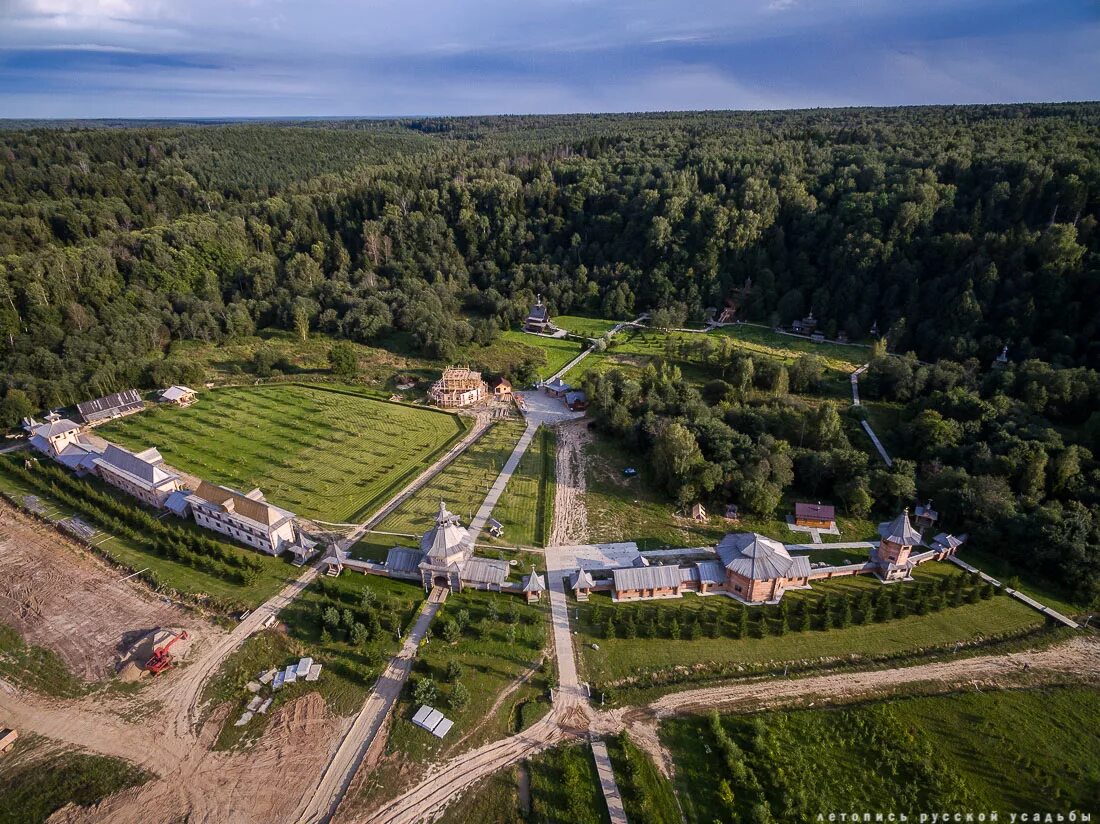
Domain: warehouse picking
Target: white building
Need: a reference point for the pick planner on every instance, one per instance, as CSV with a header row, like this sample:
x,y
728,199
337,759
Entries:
x,y
61,440
246,518
140,474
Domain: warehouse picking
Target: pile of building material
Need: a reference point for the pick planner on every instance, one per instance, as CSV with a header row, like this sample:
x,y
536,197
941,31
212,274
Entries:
x,y
276,679
432,720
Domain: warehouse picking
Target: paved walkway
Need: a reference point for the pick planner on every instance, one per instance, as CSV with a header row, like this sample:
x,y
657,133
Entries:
x,y
569,692
497,489
478,429
14,447
607,782
886,459
614,330
334,783
1015,593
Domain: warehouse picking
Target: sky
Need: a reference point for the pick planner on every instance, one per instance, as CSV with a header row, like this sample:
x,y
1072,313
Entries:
x,y
287,58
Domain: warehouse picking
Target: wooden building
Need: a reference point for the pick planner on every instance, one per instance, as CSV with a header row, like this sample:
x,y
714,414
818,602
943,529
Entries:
x,y
538,319
502,388
891,558
458,387
557,388
815,516
533,586
646,582
178,395
581,584
924,516
758,569
109,407
805,326
576,400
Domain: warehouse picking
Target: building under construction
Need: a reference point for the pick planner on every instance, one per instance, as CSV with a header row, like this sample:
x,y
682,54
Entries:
x,y
459,386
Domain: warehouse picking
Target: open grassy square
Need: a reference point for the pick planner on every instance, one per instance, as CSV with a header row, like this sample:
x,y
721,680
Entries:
x,y
525,509
322,453
462,485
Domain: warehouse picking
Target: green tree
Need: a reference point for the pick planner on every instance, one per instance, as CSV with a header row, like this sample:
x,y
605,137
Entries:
x,y
343,360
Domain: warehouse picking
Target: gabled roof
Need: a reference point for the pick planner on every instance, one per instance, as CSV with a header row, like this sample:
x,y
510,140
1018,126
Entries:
x,y
817,512
402,559
175,393
177,502
576,396
145,465
647,577
484,571
539,312
533,582
233,501
759,558
899,530
55,428
949,541
711,572
558,384
446,538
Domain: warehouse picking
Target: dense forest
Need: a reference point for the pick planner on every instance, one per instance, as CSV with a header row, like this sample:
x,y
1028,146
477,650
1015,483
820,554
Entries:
x,y
957,231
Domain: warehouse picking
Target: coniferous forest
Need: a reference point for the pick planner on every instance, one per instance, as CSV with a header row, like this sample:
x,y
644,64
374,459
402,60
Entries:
x,y
958,231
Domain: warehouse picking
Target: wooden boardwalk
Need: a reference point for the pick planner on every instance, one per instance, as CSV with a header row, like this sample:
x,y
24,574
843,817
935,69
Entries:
x,y
607,782
1015,593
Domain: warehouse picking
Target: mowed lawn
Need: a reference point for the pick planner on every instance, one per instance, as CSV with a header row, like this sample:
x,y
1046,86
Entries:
x,y
589,327
322,453
462,486
621,658
1014,751
558,351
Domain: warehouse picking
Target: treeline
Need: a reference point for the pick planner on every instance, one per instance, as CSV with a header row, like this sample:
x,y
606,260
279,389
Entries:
x,y
829,612
959,230
741,444
135,524
1009,455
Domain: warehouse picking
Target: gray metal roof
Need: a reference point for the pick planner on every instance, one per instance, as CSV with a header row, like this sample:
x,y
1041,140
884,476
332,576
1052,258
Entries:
x,y
711,572
174,393
403,559
899,530
177,502
54,428
759,558
145,466
948,540
647,577
484,571
582,580
446,538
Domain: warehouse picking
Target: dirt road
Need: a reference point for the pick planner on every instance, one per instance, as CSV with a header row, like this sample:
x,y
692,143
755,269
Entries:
x,y
321,803
570,526
443,784
1079,658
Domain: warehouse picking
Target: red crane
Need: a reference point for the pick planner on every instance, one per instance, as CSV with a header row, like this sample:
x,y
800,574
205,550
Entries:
x,y
160,659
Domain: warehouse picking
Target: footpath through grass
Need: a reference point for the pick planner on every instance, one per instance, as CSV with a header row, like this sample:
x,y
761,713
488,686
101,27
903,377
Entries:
x,y
715,640
647,795
525,508
1010,751
36,780
321,452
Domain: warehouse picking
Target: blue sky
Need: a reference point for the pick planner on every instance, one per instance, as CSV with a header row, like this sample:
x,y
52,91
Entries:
x,y
271,58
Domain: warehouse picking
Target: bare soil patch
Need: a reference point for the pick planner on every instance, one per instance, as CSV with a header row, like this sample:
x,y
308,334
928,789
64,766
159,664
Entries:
x,y
59,596
570,525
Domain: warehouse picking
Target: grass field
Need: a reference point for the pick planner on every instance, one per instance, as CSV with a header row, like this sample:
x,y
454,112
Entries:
x,y
647,795
589,327
349,669
536,792
319,452
1008,751
556,351
214,591
622,659
36,668
526,506
462,486
501,641
36,779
